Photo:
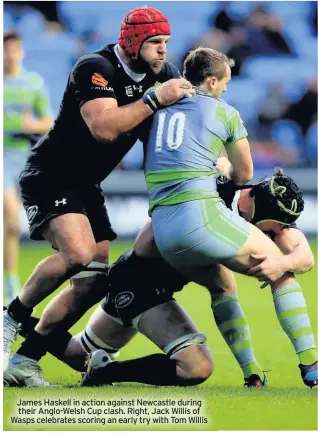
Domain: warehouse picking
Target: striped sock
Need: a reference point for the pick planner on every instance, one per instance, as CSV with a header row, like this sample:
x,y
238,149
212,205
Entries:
x,y
234,328
291,311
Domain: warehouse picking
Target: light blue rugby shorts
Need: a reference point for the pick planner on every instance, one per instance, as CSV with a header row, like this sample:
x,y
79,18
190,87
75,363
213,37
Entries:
x,y
198,233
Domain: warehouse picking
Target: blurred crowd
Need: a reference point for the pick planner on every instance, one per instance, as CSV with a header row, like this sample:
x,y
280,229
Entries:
x,y
274,44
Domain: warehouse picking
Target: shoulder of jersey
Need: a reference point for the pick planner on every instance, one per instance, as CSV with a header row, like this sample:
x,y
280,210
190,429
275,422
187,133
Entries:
x,y
93,58
229,109
170,68
227,105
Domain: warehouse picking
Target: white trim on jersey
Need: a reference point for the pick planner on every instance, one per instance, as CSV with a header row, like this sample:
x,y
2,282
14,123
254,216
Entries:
x,y
134,76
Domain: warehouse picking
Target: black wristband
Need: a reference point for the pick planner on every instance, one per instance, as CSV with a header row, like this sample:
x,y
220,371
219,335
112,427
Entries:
x,y
150,98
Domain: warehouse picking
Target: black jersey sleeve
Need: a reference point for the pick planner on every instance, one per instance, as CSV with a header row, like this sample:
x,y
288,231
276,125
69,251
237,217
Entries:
x,y
92,77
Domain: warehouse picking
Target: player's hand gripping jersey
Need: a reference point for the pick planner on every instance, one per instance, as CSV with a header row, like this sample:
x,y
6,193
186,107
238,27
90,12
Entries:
x,y
69,148
184,143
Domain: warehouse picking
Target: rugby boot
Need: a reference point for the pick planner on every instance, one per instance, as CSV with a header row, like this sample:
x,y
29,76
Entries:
x,y
94,376
24,373
309,374
254,381
11,329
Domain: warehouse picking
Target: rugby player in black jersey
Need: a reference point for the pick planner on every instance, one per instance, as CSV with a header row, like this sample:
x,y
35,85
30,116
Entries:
x,y
103,103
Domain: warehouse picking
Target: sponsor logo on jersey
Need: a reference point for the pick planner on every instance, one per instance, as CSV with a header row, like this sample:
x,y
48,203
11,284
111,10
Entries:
x,y
31,212
123,299
99,80
63,201
131,88
102,88
129,91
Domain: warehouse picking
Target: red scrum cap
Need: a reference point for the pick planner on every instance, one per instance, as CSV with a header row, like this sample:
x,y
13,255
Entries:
x,y
139,25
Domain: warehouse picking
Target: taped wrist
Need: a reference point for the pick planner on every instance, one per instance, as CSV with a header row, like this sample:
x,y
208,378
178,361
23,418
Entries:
x,y
151,100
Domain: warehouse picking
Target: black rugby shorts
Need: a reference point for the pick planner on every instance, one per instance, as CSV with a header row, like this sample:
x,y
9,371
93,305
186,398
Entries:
x,y
43,200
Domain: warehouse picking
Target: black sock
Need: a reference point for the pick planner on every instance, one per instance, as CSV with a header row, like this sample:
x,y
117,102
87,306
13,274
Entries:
x,y
57,343
28,326
19,312
35,346
156,369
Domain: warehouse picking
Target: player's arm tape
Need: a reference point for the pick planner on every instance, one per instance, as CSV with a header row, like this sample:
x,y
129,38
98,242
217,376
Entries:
x,y
183,342
151,100
92,269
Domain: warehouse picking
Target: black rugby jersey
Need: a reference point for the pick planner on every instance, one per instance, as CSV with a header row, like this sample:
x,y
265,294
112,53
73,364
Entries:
x,y
69,152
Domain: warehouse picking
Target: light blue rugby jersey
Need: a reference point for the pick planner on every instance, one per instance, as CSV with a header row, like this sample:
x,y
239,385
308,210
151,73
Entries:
x,y
184,144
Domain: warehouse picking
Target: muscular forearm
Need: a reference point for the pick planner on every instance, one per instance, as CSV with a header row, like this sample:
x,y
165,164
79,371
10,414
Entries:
x,y
114,122
299,261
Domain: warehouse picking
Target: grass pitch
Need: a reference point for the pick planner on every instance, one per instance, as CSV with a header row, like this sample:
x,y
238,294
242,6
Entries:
x,y
285,404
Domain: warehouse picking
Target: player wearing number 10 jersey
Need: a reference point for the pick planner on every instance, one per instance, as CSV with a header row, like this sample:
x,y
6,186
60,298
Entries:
x,y
192,227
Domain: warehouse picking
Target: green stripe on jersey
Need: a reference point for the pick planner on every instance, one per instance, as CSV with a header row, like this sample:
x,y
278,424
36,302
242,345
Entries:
x,y
160,177
184,196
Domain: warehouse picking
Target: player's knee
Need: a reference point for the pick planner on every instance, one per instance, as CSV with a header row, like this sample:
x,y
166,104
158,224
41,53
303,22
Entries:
x,y
12,228
201,368
80,258
194,364
222,290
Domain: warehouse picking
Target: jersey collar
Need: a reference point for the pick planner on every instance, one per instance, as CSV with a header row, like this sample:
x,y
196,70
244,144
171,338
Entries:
x,y
134,76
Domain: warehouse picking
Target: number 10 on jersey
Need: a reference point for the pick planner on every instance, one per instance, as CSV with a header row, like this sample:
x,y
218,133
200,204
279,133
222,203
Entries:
x,y
170,131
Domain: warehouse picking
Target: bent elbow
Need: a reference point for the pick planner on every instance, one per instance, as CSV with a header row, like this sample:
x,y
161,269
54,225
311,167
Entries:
x,y
247,176
311,263
249,173
244,177
102,133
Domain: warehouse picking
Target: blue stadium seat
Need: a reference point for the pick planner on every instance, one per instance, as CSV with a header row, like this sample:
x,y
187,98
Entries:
x,y
246,96
288,134
240,10
288,10
293,90
311,144
8,21
31,22
62,47
80,17
280,68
